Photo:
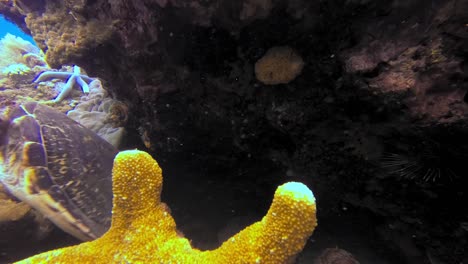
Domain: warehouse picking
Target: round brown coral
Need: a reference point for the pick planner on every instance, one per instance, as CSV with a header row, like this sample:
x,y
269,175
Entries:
x,y
279,65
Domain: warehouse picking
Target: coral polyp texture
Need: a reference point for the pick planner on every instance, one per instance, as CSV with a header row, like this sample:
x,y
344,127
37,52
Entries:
x,y
18,56
143,231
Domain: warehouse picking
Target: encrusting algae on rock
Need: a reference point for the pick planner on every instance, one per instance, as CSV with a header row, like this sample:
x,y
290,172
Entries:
x,y
143,231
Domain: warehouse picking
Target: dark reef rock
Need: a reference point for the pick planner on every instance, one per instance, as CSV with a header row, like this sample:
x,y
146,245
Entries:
x,y
375,123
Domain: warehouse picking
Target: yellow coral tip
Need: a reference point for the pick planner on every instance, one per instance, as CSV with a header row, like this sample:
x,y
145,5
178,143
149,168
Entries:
x,y
296,190
130,154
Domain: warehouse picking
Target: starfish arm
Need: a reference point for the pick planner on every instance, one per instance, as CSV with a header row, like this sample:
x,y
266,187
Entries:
x,y
67,88
76,70
71,77
86,78
82,83
47,75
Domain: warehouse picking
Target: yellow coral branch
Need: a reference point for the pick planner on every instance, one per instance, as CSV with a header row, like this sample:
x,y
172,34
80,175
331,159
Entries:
x,y
143,231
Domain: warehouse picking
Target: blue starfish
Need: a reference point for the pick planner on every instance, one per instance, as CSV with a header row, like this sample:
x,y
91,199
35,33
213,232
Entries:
x,y
72,78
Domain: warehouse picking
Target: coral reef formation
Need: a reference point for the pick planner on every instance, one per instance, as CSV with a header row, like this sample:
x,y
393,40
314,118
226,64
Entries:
x,y
20,62
18,56
143,230
61,30
279,65
376,71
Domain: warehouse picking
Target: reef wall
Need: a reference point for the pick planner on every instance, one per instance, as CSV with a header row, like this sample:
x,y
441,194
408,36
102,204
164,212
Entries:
x,y
376,119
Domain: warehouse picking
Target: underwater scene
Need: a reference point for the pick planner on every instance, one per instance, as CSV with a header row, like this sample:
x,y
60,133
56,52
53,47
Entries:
x,y
248,131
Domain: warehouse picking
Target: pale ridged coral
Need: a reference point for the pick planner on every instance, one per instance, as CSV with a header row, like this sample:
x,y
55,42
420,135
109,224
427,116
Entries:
x,y
102,114
143,231
18,56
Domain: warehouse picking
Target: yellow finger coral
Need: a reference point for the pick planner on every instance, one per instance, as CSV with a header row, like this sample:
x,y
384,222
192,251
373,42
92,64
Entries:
x,y
143,231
